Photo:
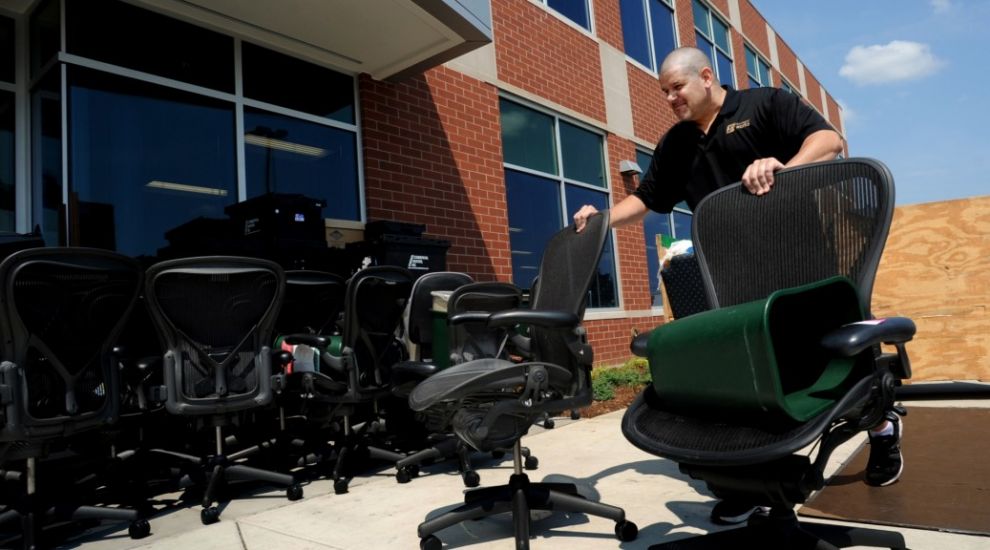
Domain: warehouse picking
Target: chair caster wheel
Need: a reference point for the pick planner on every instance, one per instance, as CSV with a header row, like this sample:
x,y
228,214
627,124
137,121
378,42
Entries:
x,y
294,492
139,529
406,474
575,414
340,486
531,462
498,455
430,543
548,424
209,515
626,531
471,478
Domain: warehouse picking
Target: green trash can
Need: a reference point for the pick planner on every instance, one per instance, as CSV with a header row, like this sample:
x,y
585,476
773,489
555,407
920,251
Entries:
x,y
762,360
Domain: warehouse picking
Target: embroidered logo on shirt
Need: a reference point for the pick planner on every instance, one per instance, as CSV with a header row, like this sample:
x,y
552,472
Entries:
x,y
736,126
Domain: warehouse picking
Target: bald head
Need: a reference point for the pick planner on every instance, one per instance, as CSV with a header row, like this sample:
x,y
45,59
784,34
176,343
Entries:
x,y
689,60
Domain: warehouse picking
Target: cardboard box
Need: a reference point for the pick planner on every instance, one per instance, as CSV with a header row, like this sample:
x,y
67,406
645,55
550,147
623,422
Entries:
x,y
341,232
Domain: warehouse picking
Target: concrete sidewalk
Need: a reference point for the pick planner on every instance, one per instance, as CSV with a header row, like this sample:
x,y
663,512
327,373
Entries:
x,y
378,513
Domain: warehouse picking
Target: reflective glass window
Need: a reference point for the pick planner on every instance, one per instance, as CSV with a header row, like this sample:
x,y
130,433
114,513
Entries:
x,y
534,216
662,26
46,158
7,165
575,10
139,39
603,289
45,32
634,31
528,138
144,160
7,49
582,155
270,76
288,155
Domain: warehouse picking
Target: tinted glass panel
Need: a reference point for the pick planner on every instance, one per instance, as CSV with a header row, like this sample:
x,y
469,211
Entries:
x,y
725,72
704,45
658,233
764,73
701,18
786,87
602,292
45,34
139,39
753,83
534,216
287,155
46,158
721,34
582,155
682,225
527,138
144,159
634,38
643,160
575,10
6,49
662,18
751,65
6,161
282,80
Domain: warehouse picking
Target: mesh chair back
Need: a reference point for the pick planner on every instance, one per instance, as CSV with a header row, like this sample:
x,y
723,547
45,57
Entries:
x,y
216,316
820,220
470,341
62,312
312,304
420,328
570,262
376,298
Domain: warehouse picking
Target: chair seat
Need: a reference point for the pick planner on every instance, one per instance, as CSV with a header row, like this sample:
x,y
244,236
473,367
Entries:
x,y
470,378
654,428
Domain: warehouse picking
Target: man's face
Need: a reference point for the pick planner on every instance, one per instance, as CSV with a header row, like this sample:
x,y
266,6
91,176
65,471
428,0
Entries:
x,y
688,93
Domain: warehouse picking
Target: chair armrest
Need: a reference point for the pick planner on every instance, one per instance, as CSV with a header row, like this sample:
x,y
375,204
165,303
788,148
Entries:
x,y
334,362
639,345
311,340
469,317
849,340
545,319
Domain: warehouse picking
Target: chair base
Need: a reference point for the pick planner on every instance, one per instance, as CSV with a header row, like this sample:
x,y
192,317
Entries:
x,y
519,497
36,521
782,531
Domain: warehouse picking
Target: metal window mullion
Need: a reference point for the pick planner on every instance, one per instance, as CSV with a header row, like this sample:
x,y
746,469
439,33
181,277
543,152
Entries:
x,y
358,148
308,117
239,153
22,118
530,171
654,62
561,183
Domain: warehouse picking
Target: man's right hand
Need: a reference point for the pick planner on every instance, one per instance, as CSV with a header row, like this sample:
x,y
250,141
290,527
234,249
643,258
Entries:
x,y
582,215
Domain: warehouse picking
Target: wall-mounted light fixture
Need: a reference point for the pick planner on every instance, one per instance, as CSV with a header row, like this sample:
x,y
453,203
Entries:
x,y
629,167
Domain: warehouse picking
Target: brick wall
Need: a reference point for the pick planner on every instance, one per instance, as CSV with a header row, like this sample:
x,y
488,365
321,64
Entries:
x,y
608,23
833,113
652,116
433,155
683,12
543,55
630,245
814,90
754,27
788,63
610,337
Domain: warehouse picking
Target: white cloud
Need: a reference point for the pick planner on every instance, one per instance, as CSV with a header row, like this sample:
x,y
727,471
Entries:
x,y
941,6
894,62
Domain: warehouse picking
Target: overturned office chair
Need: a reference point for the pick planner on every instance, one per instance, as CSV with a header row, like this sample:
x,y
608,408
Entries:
x,y
787,358
215,316
496,401
62,310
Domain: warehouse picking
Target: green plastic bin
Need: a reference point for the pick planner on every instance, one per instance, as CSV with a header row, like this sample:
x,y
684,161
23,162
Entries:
x,y
761,359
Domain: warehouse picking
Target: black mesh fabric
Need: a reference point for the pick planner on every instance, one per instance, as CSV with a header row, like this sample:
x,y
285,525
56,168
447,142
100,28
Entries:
x,y
684,286
65,309
215,312
818,221
312,304
421,302
470,341
376,298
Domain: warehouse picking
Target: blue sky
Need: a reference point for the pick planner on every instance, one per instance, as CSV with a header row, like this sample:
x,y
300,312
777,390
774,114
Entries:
x,y
913,77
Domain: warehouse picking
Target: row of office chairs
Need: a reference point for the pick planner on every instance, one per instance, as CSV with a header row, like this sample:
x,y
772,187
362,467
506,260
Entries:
x,y
334,399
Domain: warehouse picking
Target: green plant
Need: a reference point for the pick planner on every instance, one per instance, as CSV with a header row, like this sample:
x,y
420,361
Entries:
x,y
634,372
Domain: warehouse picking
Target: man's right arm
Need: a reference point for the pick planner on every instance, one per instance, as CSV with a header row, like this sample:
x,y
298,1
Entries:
x,y
630,210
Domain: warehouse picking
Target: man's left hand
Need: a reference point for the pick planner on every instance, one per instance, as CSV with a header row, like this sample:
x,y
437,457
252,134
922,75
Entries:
x,y
758,177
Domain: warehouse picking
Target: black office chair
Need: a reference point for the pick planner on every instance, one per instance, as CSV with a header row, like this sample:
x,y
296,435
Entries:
x,y
215,316
819,221
62,310
496,401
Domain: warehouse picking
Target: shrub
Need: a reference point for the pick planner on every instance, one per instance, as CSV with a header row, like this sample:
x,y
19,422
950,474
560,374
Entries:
x,y
635,372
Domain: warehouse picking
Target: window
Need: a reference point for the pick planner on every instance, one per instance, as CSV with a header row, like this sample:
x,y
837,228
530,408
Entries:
x,y
7,209
7,49
648,30
659,231
784,85
552,168
713,39
575,10
757,69
155,137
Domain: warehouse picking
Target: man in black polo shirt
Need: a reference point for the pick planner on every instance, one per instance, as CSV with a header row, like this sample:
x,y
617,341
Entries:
x,y
725,136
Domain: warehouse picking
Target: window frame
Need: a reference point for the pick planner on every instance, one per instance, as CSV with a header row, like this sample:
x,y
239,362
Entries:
x,y
654,66
708,35
588,8
562,182
762,62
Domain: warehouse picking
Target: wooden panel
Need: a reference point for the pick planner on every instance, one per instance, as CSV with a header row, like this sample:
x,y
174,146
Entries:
x,y
936,270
